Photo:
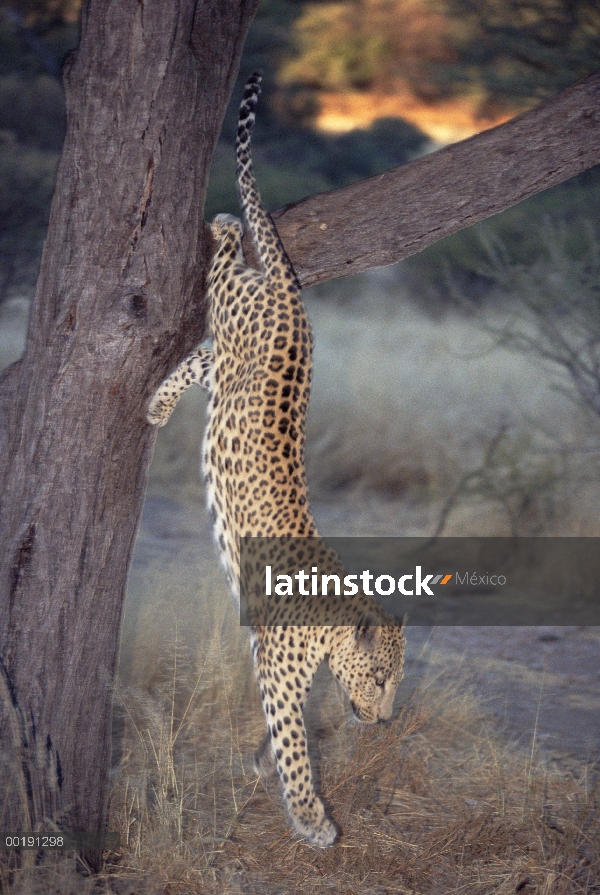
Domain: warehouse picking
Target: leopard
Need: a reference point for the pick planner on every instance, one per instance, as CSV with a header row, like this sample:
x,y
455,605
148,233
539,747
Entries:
x,y
258,378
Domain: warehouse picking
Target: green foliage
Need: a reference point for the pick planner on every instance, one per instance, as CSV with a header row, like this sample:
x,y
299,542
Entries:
x,y
337,49
366,44
502,51
519,49
26,185
33,109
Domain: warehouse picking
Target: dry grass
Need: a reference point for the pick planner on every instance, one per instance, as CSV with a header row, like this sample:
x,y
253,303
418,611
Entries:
x,y
433,802
402,402
405,408
437,801
415,410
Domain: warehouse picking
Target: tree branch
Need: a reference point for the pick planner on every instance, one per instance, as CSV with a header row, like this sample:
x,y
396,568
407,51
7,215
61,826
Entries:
x,y
388,217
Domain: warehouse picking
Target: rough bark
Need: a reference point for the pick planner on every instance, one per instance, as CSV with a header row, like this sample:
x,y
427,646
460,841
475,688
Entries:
x,y
389,217
119,293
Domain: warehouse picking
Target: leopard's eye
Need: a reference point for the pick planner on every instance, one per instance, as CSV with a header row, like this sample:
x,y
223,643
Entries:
x,y
380,681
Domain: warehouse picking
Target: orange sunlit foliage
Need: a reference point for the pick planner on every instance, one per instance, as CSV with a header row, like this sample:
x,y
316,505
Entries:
x,y
451,67
444,121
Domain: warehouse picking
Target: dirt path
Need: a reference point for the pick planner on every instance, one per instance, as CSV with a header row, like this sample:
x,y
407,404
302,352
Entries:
x,y
541,683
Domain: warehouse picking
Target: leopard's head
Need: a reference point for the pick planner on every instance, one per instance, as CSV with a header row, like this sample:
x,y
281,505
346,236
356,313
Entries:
x,y
368,661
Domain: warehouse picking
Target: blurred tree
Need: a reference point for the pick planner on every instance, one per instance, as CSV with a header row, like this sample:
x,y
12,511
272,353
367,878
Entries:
x,y
558,318
519,50
26,187
368,44
296,160
37,34
502,50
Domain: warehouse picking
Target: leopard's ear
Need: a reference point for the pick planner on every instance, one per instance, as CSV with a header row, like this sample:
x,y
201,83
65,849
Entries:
x,y
367,632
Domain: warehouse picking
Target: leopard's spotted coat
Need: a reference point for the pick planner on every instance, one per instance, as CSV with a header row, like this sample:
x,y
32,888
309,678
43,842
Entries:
x,y
258,376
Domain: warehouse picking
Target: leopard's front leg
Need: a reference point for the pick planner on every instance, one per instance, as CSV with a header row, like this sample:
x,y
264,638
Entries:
x,y
283,693
194,370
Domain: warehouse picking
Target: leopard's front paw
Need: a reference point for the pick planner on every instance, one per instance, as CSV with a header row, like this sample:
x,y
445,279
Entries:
x,y
315,826
159,410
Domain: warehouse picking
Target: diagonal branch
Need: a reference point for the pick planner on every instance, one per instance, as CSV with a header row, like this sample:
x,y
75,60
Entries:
x,y
388,217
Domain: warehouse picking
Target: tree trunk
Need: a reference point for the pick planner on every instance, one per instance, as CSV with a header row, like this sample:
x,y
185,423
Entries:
x,y
119,294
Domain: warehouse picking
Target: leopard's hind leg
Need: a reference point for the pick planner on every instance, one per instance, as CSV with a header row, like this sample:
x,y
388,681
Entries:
x,y
194,370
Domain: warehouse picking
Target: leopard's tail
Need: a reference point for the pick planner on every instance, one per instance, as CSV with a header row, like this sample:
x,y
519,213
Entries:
x,y
270,249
